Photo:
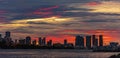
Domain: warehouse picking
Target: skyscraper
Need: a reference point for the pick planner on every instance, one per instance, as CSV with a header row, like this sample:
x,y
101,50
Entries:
x,y
100,40
7,38
44,41
28,40
93,40
40,41
49,43
7,34
0,35
1,38
96,42
88,42
79,41
65,42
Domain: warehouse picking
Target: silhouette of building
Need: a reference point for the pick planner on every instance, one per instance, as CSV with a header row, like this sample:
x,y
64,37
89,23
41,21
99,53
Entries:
x,y
40,41
28,40
44,41
7,34
94,41
34,42
88,42
100,40
49,43
65,42
79,41
8,38
1,39
114,44
22,42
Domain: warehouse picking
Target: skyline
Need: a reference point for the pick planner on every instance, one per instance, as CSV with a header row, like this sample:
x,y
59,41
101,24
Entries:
x,y
89,41
61,19
83,40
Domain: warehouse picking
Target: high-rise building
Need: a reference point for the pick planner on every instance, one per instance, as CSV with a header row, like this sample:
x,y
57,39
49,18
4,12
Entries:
x,y
40,41
44,41
93,40
100,40
0,35
96,43
28,40
79,41
7,38
65,42
88,42
7,34
1,38
49,43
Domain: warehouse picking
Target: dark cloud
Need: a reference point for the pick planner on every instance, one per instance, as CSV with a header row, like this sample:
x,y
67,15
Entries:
x,y
102,20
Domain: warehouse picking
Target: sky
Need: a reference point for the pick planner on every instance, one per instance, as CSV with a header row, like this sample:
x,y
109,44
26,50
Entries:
x,y
61,19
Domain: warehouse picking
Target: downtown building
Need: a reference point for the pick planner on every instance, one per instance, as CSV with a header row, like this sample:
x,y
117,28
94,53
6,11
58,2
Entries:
x,y
42,41
79,41
88,42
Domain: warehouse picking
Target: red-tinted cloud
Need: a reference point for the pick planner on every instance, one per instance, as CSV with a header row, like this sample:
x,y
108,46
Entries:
x,y
46,12
93,3
48,8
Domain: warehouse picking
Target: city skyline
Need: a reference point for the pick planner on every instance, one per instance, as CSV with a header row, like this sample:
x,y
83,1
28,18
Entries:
x,y
88,41
92,37
62,19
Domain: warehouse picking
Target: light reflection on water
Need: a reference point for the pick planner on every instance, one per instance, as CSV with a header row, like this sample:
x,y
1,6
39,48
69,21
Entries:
x,y
54,53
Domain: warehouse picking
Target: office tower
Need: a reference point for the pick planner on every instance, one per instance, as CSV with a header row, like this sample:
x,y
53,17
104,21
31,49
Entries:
x,y
93,40
79,41
7,34
1,38
96,42
65,42
34,42
0,35
40,41
7,38
44,41
28,40
88,42
100,40
49,43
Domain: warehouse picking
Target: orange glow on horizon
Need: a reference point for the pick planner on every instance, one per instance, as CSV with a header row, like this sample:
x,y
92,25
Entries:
x,y
107,38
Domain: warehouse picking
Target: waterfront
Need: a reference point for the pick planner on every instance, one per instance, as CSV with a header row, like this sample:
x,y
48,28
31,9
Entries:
x,y
53,53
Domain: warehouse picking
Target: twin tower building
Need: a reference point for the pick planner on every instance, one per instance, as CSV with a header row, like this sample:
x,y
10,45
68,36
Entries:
x,y
89,41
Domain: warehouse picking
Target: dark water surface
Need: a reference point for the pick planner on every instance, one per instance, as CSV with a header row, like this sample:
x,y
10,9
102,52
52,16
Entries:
x,y
53,53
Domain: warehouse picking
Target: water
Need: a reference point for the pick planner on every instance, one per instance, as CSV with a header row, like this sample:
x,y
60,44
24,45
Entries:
x,y
53,53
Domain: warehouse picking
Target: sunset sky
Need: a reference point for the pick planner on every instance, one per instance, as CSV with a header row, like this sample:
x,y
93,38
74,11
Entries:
x,y
61,19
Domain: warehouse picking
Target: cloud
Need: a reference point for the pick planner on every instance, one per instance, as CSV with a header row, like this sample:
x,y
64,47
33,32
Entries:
x,y
59,17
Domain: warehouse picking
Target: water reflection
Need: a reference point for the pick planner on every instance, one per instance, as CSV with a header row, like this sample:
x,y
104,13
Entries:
x,y
31,53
